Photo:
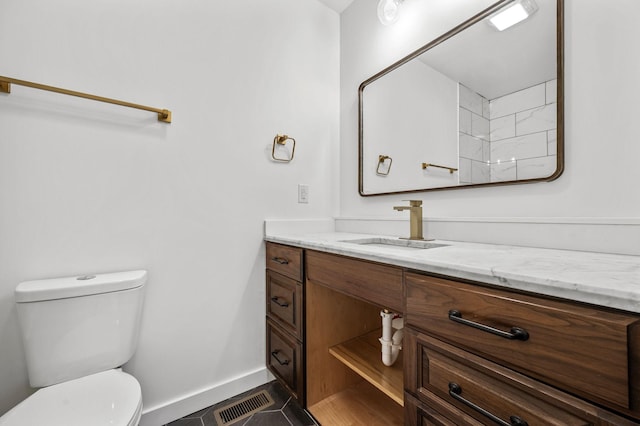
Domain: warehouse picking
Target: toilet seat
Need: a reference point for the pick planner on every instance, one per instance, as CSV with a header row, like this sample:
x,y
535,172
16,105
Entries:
x,y
111,398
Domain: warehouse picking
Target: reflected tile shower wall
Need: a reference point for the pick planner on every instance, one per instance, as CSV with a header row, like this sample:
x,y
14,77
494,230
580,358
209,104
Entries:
x,y
474,137
521,140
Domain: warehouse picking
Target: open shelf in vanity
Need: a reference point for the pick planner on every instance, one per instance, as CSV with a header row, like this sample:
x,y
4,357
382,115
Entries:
x,y
362,355
347,382
360,404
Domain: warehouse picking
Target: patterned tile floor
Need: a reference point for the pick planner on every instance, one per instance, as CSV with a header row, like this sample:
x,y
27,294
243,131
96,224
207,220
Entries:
x,y
284,412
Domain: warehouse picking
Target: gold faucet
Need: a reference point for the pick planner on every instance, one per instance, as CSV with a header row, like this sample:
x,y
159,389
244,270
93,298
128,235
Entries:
x,y
415,220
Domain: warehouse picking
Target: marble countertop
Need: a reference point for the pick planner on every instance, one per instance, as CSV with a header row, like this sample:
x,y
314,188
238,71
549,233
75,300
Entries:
x,y
602,279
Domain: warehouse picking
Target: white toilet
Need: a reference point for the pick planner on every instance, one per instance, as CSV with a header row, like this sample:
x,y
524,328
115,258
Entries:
x,y
77,332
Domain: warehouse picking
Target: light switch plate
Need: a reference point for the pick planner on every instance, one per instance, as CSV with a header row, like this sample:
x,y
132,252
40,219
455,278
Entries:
x,y
303,193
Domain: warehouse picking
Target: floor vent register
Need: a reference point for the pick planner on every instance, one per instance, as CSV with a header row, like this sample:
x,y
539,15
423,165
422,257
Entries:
x,y
243,408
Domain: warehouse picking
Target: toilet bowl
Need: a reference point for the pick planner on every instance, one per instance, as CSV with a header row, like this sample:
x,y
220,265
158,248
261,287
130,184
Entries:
x,y
77,333
109,398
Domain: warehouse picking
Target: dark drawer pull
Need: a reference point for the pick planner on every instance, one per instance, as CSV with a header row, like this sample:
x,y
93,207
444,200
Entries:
x,y
281,362
277,301
516,333
455,391
280,260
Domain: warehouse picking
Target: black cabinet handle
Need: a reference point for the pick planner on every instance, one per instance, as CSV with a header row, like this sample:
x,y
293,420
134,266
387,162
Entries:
x,y
281,362
277,301
456,393
516,333
280,260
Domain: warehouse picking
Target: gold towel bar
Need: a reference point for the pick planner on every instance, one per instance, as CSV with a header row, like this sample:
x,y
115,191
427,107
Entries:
x,y
451,169
164,115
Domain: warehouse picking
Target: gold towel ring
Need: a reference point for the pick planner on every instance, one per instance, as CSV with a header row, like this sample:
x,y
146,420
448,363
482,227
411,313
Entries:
x,y
282,140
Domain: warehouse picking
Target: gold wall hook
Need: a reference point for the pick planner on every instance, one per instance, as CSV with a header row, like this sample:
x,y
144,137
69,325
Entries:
x,y
282,140
451,169
164,115
381,161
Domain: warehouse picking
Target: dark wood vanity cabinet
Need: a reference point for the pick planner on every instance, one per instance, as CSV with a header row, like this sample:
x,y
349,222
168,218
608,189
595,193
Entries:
x,y
472,355
500,356
285,317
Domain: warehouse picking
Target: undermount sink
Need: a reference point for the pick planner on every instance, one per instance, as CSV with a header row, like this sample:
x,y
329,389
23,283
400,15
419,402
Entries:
x,y
395,243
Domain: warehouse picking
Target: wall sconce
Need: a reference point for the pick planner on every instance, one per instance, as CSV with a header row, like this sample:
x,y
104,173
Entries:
x,y
388,11
510,15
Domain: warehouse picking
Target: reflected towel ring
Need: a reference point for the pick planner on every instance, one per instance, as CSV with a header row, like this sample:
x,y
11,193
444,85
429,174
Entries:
x,y
282,140
381,161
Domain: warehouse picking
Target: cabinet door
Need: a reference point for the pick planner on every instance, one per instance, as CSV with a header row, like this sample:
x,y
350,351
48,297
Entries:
x,y
443,374
284,302
582,349
284,359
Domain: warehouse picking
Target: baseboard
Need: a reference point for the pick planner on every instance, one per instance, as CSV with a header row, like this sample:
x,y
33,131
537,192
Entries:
x,y
167,412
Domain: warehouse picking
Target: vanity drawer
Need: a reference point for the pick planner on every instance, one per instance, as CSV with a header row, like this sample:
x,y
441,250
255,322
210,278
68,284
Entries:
x,y
372,282
436,413
451,380
581,349
284,359
285,260
284,302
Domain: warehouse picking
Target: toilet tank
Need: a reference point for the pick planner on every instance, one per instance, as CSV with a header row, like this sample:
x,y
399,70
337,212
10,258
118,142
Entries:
x,y
76,326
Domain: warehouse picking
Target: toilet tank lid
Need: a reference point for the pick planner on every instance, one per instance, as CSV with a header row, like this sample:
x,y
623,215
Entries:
x,y
62,288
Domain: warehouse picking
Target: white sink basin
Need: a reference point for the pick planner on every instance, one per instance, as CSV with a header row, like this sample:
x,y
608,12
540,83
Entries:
x,y
395,243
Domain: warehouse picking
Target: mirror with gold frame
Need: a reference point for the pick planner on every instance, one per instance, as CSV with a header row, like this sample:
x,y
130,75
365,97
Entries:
x,y
474,107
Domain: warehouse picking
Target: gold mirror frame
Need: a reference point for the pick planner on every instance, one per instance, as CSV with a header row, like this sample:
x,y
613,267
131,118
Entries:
x,y
475,19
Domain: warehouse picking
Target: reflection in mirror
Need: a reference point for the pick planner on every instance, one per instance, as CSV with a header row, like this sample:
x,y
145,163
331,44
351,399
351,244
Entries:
x,y
478,106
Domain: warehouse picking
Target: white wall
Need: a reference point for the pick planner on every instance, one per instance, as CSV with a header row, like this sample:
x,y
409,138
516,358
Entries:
x,y
601,139
87,187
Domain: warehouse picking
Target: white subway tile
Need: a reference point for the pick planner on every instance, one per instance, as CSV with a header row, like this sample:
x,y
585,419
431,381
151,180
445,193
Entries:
x,y
464,120
470,100
518,101
464,170
519,147
552,142
479,126
536,120
480,172
470,147
552,91
486,108
503,127
486,151
534,168
503,171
